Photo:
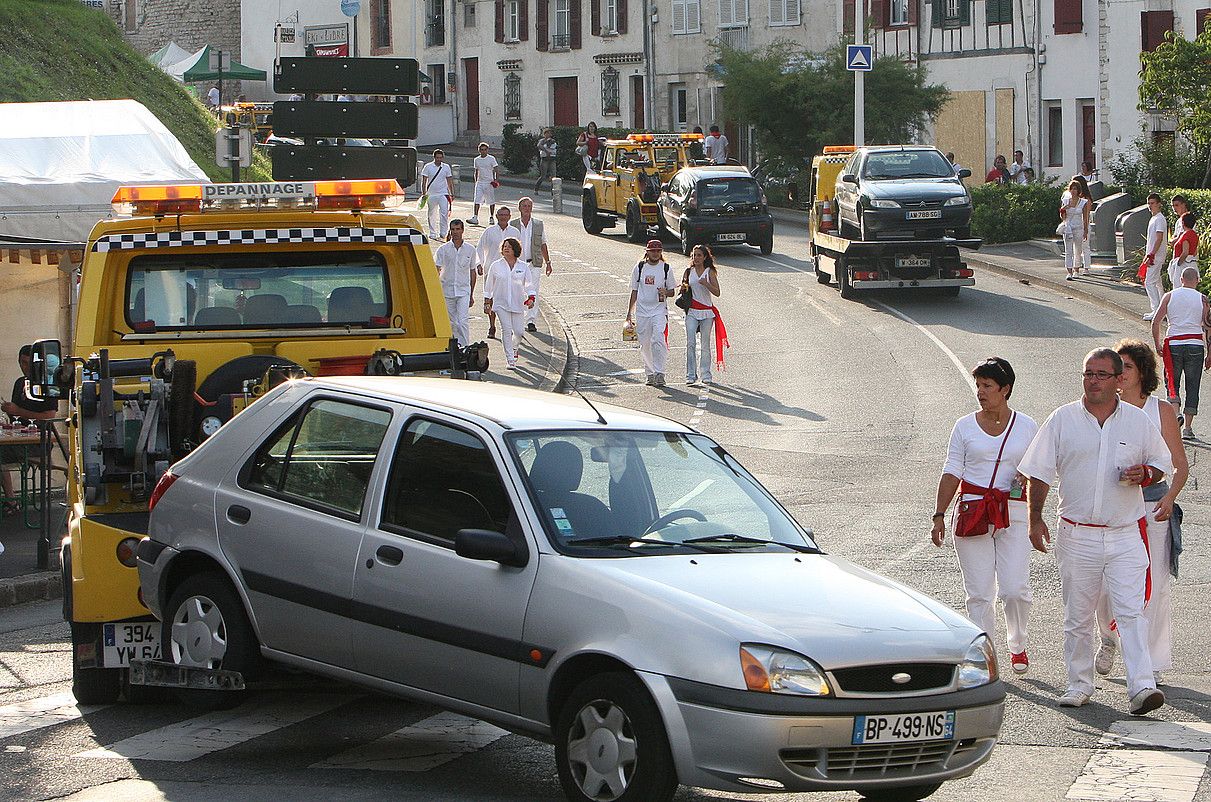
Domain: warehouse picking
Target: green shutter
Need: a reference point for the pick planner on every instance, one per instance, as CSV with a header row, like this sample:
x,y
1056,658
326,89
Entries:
x,y
936,12
999,12
964,12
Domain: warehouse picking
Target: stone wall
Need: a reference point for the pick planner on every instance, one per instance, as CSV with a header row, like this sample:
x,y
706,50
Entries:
x,y
148,25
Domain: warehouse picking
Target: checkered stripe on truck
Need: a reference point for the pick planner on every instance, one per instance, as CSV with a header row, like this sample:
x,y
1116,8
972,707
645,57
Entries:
x,y
263,236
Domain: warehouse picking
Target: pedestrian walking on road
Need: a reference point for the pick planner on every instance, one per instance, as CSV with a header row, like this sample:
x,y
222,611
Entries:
x,y
489,251
487,179
437,187
533,252
588,145
1102,451
715,146
990,528
702,319
509,292
1185,249
548,150
648,312
1074,220
1186,350
1155,249
456,262
1140,380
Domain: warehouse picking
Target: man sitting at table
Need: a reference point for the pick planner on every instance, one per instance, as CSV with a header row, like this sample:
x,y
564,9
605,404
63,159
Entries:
x,y
24,410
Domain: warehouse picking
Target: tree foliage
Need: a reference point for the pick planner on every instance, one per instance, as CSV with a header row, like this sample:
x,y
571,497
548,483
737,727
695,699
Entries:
x,y
800,101
1175,80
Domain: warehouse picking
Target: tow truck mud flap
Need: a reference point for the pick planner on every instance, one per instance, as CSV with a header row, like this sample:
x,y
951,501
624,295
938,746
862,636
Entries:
x,y
159,674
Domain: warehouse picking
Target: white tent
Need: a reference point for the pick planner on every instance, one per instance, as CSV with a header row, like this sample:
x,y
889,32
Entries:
x,y
177,68
168,55
60,163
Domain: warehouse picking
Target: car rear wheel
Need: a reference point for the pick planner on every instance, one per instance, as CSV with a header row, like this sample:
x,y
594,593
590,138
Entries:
x,y
636,230
610,743
205,627
911,793
949,292
767,245
588,213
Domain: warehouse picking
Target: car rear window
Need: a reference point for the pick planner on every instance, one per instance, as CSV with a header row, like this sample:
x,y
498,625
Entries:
x,y
265,290
907,164
720,192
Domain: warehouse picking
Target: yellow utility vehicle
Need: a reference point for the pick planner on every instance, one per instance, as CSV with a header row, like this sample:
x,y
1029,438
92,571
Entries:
x,y
189,310
628,182
257,116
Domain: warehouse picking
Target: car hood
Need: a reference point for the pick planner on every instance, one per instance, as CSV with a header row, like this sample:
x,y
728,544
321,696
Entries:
x,y
913,188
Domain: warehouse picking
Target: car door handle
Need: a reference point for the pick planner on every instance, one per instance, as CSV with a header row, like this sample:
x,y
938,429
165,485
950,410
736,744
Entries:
x,y
389,555
238,515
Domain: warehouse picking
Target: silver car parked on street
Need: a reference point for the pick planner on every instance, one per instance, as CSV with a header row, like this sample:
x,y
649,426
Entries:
x,y
608,581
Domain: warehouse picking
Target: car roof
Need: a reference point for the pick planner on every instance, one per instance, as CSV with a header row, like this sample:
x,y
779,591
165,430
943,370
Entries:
x,y
895,148
718,171
516,408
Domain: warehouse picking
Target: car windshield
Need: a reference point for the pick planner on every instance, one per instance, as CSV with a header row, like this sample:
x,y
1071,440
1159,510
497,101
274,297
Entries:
x,y
907,164
627,493
720,192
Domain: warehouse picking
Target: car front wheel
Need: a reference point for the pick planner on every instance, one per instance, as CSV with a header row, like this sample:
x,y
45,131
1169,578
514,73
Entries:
x,y
588,213
205,627
610,743
687,241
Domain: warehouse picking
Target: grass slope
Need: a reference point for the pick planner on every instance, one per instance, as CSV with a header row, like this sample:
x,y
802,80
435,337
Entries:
x,y
63,50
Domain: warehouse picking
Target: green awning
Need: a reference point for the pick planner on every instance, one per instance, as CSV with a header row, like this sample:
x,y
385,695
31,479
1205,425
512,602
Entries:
x,y
200,70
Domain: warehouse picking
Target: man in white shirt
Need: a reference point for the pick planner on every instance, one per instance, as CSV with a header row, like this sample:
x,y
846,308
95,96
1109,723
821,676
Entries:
x,y
212,98
1102,450
489,251
715,146
1182,351
533,252
1155,249
486,181
1017,168
456,262
437,183
652,284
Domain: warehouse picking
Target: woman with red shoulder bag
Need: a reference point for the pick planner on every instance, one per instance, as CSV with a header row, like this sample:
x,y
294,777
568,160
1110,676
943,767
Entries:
x,y
990,523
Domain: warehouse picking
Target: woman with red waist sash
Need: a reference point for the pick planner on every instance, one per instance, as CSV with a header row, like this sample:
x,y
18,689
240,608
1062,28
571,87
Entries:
x,y
982,464
702,319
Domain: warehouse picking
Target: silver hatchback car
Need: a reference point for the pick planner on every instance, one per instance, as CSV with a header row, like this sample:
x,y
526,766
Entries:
x,y
602,579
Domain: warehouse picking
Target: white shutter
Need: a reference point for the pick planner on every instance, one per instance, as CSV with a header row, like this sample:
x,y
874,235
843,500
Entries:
x,y
792,12
727,12
742,12
776,12
679,8
693,16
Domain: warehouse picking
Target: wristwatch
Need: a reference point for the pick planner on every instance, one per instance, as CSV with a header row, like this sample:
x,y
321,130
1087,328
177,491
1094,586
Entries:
x,y
938,515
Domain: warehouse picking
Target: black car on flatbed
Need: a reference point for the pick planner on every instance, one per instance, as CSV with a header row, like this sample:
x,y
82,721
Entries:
x,y
719,204
902,192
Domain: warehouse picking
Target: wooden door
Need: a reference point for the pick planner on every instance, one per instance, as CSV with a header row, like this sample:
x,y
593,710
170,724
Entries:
x,y
1087,135
471,80
637,102
566,110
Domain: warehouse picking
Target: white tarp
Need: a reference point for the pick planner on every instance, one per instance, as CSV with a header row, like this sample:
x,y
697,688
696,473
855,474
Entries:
x,y
60,163
177,69
168,55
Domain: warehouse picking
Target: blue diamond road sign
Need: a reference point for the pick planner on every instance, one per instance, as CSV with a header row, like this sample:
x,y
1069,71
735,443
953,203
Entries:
x,y
859,58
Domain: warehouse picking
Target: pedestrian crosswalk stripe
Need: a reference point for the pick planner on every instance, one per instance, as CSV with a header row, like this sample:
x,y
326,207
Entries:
x,y
34,714
1147,775
420,746
195,737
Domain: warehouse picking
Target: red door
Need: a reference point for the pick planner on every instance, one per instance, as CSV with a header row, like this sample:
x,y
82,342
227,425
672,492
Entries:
x,y
637,101
566,110
1087,135
471,80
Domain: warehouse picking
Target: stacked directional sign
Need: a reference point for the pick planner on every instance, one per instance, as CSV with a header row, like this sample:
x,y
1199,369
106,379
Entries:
x,y
325,125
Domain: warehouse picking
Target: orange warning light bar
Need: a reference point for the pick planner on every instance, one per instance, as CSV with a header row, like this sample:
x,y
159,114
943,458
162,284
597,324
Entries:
x,y
158,199
839,149
365,194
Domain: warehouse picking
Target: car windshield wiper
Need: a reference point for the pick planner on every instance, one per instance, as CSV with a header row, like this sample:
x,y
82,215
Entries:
x,y
626,540
741,539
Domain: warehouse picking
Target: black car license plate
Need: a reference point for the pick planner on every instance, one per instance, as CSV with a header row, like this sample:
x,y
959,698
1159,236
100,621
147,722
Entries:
x,y
912,262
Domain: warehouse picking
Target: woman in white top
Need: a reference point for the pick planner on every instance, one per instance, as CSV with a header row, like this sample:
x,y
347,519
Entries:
x,y
1074,221
509,292
996,563
702,279
1140,379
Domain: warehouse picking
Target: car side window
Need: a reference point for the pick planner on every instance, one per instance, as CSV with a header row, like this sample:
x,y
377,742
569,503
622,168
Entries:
x,y
322,457
443,479
608,163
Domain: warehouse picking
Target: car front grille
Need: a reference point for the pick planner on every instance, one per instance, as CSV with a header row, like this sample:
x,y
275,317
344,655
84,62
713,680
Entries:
x,y
884,761
920,204
878,678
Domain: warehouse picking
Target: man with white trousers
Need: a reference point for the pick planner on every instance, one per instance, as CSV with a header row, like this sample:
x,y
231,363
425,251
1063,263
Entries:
x,y
456,262
651,286
489,251
1102,450
486,181
533,251
437,184
1155,248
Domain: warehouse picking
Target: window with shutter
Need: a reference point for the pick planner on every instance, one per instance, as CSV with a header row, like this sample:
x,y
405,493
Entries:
x,y
794,12
777,12
1200,20
542,25
998,12
964,12
878,13
1153,27
693,16
595,17
727,12
679,16
1069,16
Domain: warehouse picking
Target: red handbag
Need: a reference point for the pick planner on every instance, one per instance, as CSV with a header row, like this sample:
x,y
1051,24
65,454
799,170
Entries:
x,y
1142,273
989,512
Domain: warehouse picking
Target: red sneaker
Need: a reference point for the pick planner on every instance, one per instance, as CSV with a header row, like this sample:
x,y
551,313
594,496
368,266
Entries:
x,y
1020,662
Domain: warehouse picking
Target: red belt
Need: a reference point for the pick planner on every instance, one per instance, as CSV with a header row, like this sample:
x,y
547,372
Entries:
x,y
1143,525
720,332
1167,356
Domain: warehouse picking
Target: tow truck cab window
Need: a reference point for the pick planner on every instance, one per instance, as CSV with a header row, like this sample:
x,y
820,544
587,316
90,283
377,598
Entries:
x,y
280,290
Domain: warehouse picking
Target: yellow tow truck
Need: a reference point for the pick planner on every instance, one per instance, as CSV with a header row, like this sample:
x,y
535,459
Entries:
x,y
189,310
627,184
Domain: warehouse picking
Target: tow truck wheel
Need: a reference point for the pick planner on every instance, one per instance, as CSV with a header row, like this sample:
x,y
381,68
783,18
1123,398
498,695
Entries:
x,y
949,292
92,686
821,276
205,627
843,282
588,213
636,230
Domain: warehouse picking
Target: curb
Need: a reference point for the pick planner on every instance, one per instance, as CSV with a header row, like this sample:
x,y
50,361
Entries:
x,y
564,355
40,586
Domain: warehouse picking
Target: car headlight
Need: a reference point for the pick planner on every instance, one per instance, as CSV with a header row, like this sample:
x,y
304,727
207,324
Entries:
x,y
771,670
958,200
979,666
879,203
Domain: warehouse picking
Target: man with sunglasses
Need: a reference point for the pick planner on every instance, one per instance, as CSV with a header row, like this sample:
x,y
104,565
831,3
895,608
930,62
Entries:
x,y
1102,451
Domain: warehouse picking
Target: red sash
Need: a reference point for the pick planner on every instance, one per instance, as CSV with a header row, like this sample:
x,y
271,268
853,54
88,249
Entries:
x,y
1167,356
998,507
720,332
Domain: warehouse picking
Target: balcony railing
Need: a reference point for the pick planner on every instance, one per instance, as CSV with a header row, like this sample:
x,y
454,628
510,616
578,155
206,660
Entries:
x,y
435,33
735,38
561,41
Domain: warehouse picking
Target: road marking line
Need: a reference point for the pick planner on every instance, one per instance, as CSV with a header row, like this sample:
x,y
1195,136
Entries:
x,y
195,737
34,714
630,372
420,746
592,295
1141,775
949,353
783,264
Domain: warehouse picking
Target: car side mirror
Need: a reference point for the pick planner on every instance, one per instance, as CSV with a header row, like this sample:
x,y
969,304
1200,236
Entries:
x,y
849,178
484,544
964,173
44,366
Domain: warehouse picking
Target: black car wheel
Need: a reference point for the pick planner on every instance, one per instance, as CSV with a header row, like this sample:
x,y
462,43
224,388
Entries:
x,y
588,213
767,245
911,793
949,292
843,281
687,242
963,233
610,743
636,230
821,276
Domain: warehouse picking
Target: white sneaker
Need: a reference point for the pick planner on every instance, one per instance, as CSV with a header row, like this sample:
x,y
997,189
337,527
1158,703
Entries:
x,y
1105,656
474,220
1149,316
1074,699
1146,701
1158,678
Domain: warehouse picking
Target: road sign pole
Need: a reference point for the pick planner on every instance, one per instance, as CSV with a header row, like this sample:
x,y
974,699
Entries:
x,y
859,108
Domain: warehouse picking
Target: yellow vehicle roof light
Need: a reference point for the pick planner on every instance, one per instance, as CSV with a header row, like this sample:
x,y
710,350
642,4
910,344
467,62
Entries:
x,y
839,149
640,137
375,193
158,199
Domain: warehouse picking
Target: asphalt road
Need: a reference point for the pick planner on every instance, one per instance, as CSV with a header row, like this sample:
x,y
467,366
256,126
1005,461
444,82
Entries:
x,y
842,408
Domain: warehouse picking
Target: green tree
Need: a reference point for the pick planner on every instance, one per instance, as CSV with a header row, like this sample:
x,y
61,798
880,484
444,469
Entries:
x,y
1175,80
800,101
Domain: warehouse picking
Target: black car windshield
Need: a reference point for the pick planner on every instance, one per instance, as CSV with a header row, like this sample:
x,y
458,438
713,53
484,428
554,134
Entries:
x,y
907,164
624,493
717,193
